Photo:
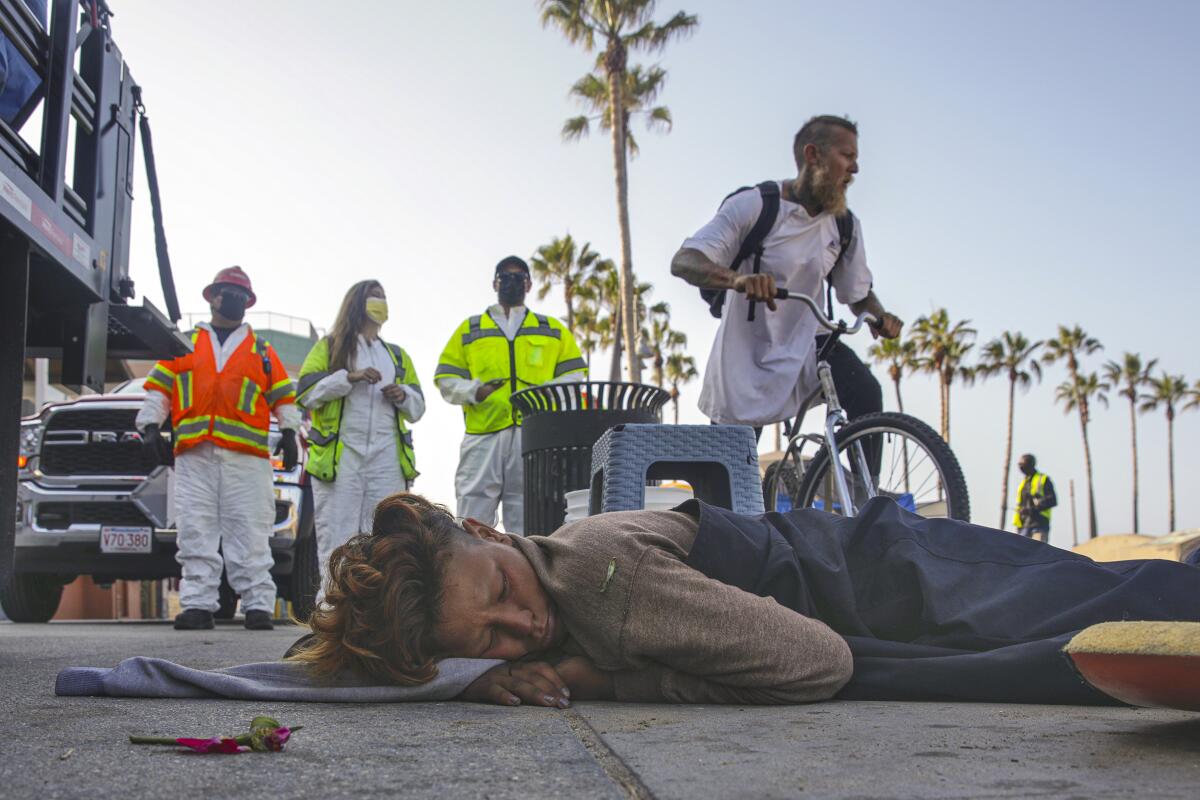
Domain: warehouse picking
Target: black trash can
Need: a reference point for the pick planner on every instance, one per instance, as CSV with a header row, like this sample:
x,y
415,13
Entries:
x,y
560,423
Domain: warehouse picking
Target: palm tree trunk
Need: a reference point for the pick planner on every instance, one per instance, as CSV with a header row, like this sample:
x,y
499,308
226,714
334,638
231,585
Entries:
x,y
1012,399
1170,473
675,403
628,301
1133,433
899,399
1087,458
946,410
614,370
567,296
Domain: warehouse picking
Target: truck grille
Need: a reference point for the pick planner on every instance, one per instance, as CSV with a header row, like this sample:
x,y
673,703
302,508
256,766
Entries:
x,y
60,516
87,441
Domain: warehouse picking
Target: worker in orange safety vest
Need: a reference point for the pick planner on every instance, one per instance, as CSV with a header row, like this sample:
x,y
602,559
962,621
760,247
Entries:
x,y
219,399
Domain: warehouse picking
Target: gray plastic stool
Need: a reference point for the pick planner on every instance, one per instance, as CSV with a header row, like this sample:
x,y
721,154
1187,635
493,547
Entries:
x,y
719,461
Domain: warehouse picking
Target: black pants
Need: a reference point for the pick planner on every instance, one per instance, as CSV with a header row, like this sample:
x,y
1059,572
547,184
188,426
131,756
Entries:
x,y
937,609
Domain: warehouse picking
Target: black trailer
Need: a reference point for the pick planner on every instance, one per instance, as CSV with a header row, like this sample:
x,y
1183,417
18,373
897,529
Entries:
x,y
65,202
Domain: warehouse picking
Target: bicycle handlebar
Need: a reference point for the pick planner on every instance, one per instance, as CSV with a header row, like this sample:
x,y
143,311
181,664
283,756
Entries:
x,y
824,321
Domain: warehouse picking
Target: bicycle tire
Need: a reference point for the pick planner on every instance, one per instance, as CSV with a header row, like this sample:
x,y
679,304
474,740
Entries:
x,y
957,499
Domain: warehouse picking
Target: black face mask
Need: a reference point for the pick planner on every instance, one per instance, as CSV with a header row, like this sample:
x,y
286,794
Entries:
x,y
512,289
233,306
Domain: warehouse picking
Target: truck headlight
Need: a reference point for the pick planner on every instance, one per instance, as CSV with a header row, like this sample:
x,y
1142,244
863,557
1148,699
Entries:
x,y
31,443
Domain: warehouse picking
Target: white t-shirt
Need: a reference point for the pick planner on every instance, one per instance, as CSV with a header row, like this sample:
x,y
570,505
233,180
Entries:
x,y
759,372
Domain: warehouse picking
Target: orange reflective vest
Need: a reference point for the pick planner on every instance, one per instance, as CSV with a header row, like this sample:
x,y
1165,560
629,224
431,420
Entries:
x,y
231,408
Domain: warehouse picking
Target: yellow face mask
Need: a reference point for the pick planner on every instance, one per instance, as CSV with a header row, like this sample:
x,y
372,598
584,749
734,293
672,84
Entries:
x,y
377,309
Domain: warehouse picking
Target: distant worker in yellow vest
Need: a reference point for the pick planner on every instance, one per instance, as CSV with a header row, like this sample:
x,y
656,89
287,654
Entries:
x,y
219,399
1035,498
489,357
362,392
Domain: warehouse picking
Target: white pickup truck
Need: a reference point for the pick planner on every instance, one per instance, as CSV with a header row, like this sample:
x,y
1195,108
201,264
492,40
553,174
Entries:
x,y
87,505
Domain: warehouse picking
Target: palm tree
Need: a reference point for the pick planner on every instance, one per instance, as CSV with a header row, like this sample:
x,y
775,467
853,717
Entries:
x,y
1168,391
1130,375
1068,346
563,262
661,339
899,355
941,349
680,369
618,26
642,86
1009,354
603,285
587,318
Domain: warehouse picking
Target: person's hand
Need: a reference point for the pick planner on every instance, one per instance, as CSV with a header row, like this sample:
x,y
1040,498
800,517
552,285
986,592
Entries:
x,y
155,450
515,682
486,389
290,449
394,392
370,375
585,681
888,326
757,287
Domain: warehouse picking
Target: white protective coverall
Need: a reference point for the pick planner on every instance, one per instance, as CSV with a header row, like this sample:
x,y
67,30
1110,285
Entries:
x,y
223,499
490,468
369,468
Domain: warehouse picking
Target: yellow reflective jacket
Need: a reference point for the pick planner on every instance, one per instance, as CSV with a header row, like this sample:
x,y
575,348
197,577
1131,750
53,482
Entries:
x,y
324,444
1038,489
542,350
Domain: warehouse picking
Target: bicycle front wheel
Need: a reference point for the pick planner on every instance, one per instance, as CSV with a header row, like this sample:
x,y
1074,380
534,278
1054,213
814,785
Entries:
x,y
917,469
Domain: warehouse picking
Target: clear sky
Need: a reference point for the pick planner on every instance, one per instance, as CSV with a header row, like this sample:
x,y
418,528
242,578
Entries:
x,y
1023,164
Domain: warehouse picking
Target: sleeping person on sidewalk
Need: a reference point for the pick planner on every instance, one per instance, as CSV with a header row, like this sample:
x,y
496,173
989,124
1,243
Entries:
x,y
702,605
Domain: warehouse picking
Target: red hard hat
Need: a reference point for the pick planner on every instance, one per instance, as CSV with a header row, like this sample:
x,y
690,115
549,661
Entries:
x,y
234,276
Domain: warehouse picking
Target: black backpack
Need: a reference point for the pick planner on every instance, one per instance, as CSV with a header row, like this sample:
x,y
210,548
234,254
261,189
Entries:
x,y
753,243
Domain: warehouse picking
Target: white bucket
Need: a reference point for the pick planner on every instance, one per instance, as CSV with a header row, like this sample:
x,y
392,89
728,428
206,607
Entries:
x,y
658,498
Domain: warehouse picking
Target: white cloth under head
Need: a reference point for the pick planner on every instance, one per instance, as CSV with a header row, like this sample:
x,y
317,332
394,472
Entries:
x,y
759,372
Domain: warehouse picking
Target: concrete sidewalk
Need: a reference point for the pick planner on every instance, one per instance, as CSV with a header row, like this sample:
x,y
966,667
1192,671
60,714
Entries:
x,y
76,747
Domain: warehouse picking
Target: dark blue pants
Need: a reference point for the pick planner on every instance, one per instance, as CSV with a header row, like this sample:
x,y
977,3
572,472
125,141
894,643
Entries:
x,y
940,609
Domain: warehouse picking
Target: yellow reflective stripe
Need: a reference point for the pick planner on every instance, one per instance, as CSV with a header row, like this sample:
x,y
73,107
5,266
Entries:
x,y
183,390
571,365
234,431
450,369
248,396
280,390
161,376
190,428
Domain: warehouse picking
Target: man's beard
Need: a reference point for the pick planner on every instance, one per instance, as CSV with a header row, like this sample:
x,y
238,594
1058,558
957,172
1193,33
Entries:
x,y
829,193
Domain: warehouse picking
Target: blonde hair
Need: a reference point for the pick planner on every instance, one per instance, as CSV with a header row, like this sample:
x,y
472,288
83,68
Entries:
x,y
350,320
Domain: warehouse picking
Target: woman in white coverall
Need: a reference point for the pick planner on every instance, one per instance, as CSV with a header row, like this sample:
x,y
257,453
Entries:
x,y
362,392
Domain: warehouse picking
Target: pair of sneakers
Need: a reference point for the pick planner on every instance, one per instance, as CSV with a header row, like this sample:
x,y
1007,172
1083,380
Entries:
x,y
198,619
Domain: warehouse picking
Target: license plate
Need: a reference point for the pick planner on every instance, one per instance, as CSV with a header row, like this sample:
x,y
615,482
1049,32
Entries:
x,y
125,540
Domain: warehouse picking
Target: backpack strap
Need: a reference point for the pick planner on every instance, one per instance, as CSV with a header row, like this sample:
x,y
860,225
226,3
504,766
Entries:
x,y
752,244
845,226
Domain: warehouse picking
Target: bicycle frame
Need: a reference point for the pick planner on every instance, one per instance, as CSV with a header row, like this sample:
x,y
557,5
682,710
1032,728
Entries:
x,y
835,415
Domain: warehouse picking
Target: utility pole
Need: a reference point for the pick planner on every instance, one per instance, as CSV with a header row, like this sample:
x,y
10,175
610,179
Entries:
x,y
1074,529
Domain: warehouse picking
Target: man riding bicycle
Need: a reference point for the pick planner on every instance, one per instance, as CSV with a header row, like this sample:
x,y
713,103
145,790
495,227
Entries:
x,y
762,366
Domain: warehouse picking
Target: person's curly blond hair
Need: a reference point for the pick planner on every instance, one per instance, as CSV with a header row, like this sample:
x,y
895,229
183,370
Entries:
x,y
384,594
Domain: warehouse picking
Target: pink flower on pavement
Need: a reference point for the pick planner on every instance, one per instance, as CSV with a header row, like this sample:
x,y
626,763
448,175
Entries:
x,y
277,739
217,744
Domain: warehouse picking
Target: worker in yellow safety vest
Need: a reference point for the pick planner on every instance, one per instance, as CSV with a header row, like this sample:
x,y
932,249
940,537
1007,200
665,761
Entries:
x,y
1035,498
220,398
489,357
